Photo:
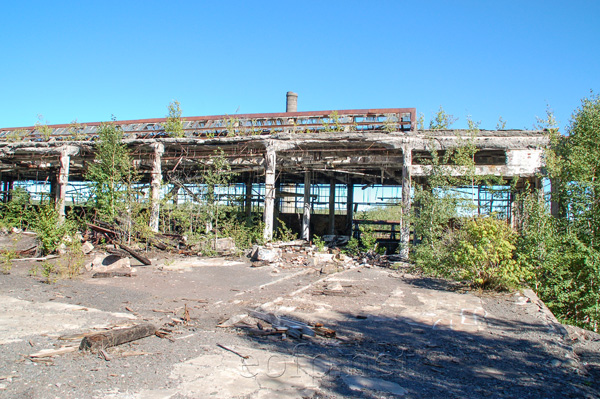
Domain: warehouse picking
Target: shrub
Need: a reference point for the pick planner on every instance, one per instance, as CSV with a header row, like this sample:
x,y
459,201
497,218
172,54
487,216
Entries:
x,y
483,254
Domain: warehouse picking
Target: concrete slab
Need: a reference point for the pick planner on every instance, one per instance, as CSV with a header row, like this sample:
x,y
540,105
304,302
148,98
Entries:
x,y
264,374
20,319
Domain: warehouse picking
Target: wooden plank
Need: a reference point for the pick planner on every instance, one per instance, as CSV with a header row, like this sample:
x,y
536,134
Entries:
x,y
112,274
116,337
53,352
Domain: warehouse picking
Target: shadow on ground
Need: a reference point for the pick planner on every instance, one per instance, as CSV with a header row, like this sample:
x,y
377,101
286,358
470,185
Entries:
x,y
400,356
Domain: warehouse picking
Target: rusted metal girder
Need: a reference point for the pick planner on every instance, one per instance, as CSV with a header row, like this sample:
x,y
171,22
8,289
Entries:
x,y
355,120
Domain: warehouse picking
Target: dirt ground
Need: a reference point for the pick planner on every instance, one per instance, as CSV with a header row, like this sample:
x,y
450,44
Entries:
x,y
398,335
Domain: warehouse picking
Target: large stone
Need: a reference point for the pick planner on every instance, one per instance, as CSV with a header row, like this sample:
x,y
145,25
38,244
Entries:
x,y
263,254
87,247
107,263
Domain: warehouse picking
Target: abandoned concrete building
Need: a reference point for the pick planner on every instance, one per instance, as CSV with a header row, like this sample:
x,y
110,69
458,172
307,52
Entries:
x,y
304,168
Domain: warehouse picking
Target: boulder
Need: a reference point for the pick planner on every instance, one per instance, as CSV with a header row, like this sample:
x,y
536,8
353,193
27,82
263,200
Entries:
x,y
107,263
263,254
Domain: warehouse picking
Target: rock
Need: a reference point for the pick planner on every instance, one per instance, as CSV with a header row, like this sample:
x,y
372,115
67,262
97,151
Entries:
x,y
263,254
107,263
87,247
335,286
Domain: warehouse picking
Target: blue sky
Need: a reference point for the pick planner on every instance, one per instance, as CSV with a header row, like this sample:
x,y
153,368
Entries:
x,y
88,60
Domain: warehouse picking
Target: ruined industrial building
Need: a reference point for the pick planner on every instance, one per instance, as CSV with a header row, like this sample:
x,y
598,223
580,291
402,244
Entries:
x,y
304,168
157,317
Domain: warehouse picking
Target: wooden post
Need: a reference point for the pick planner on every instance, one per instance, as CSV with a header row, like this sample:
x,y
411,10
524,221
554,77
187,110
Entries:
x,y
61,184
270,160
349,207
332,205
406,201
155,184
306,214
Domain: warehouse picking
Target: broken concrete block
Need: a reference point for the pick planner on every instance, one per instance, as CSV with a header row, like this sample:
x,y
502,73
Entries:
x,y
319,259
263,254
107,263
87,247
224,245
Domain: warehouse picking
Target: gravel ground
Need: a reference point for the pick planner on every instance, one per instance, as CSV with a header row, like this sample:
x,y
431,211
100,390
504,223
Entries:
x,y
515,350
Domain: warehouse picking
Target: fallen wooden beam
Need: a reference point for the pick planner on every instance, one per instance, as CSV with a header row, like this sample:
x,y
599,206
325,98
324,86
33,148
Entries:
x,y
135,254
112,274
102,340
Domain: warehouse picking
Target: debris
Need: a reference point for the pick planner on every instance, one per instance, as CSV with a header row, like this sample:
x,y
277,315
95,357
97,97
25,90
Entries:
x,y
186,315
232,351
112,274
324,331
135,353
162,311
53,352
224,245
262,254
116,337
102,353
87,247
232,320
36,259
295,328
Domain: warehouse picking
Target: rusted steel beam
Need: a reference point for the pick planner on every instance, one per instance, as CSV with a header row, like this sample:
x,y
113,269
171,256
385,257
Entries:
x,y
402,119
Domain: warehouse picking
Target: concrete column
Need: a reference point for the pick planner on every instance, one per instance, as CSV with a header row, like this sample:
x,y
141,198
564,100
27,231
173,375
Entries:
x,y
349,208
406,201
155,185
271,160
306,214
331,229
61,184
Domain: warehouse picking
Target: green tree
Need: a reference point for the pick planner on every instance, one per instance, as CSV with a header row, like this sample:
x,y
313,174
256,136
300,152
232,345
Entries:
x,y
570,281
174,124
111,174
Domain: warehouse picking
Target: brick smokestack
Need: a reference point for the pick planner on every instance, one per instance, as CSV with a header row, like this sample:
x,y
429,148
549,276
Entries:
x,y
291,104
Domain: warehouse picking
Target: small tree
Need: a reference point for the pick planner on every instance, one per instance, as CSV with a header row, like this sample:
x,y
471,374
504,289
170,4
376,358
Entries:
x,y
174,124
112,173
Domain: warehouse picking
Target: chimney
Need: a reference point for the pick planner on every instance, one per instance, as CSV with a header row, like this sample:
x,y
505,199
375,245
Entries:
x,y
291,104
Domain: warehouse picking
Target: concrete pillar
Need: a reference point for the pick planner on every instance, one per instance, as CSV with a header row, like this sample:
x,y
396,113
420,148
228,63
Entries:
x,y
270,160
331,229
406,201
349,208
306,214
61,184
291,104
155,184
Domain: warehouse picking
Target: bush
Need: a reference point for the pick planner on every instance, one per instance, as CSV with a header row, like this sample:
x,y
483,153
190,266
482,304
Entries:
x,y
51,231
484,254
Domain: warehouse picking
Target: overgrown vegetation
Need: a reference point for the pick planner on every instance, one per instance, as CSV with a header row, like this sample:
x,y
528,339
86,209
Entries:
x,y
558,256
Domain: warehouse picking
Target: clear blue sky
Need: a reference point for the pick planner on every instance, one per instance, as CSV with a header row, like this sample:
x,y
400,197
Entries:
x,y
87,60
